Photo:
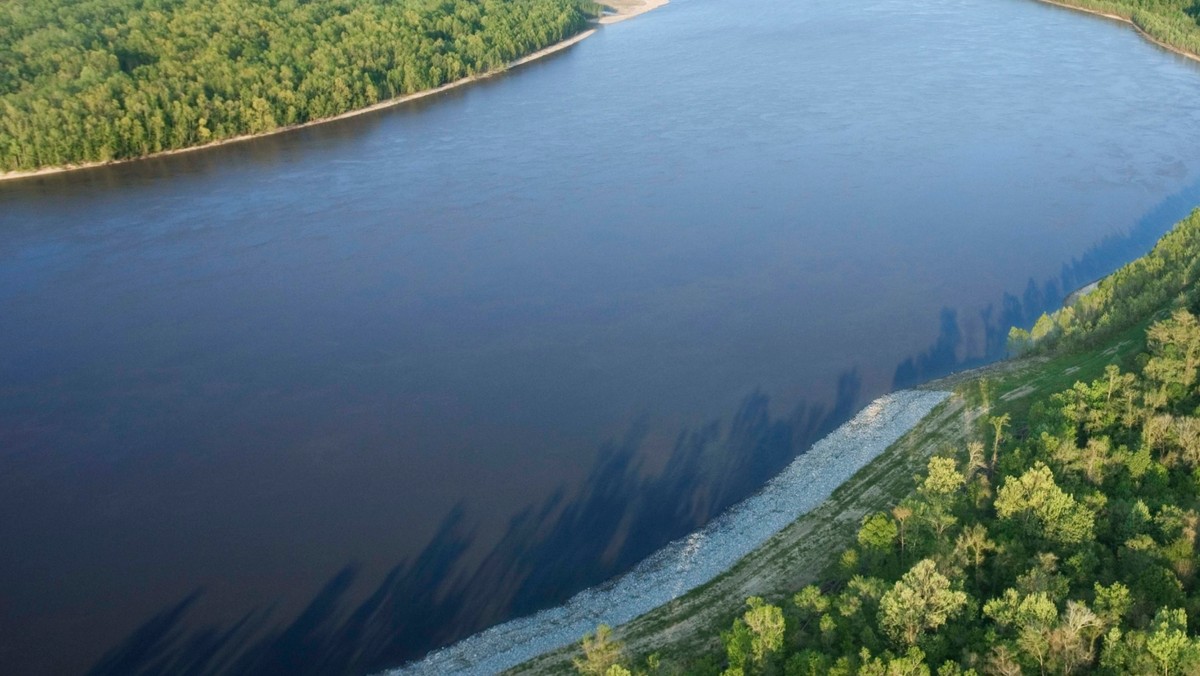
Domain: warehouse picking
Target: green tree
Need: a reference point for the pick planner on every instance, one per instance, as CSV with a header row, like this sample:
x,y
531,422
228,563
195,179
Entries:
x,y
739,647
998,424
1112,602
902,513
922,600
878,532
943,479
765,621
1169,644
1045,327
1036,499
600,653
1033,617
972,547
1175,346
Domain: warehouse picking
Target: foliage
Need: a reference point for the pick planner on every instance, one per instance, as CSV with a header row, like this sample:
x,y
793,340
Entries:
x,y
1057,515
921,600
1084,560
1126,297
96,80
878,532
600,653
766,624
1173,22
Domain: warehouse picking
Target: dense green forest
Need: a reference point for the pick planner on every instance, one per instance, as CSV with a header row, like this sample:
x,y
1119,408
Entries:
x,y
1060,537
96,80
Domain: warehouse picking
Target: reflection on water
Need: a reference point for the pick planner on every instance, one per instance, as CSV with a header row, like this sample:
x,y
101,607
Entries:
x,y
549,551
329,400
953,350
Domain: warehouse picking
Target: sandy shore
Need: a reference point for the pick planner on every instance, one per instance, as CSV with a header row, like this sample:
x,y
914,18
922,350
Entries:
x,y
620,11
1080,293
1116,17
627,9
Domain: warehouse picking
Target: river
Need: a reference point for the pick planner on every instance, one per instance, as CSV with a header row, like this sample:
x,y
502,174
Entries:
x,y
324,401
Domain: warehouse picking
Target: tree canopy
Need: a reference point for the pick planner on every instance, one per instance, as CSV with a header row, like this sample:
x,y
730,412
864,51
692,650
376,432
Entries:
x,y
1074,548
96,80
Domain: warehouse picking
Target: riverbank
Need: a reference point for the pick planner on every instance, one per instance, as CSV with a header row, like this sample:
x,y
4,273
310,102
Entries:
x,y
621,11
797,555
694,561
808,549
1177,49
627,9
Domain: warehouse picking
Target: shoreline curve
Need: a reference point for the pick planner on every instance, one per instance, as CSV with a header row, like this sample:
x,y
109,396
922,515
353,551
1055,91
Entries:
x,y
624,10
696,559
1117,17
399,100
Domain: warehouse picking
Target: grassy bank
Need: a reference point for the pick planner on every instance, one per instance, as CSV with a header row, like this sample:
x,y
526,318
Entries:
x,y
1174,24
1129,472
808,551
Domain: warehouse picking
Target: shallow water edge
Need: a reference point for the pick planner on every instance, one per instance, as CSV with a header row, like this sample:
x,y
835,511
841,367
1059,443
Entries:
x,y
692,561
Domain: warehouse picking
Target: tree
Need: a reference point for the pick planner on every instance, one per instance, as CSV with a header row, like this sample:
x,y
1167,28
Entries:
x,y
911,663
1095,457
1002,662
941,487
943,478
998,423
920,601
972,546
902,513
811,600
1175,346
1073,642
739,641
1111,603
766,623
1043,577
1043,328
975,461
1032,616
600,653
1037,500
1169,644
1019,341
878,532
109,79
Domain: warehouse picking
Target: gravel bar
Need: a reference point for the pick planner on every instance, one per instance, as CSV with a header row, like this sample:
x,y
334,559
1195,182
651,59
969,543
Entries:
x,y
696,559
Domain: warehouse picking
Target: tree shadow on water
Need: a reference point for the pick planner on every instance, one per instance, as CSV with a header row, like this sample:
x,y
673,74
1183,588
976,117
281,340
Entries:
x,y
973,340
615,518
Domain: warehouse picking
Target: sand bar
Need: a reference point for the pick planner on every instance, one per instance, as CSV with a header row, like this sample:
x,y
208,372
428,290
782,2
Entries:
x,y
621,10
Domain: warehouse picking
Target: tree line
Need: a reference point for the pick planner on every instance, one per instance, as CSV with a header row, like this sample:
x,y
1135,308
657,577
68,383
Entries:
x,y
1172,22
1122,299
1062,538
99,80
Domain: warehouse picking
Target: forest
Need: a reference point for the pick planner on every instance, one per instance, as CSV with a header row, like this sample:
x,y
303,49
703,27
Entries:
x,y
1059,538
99,80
